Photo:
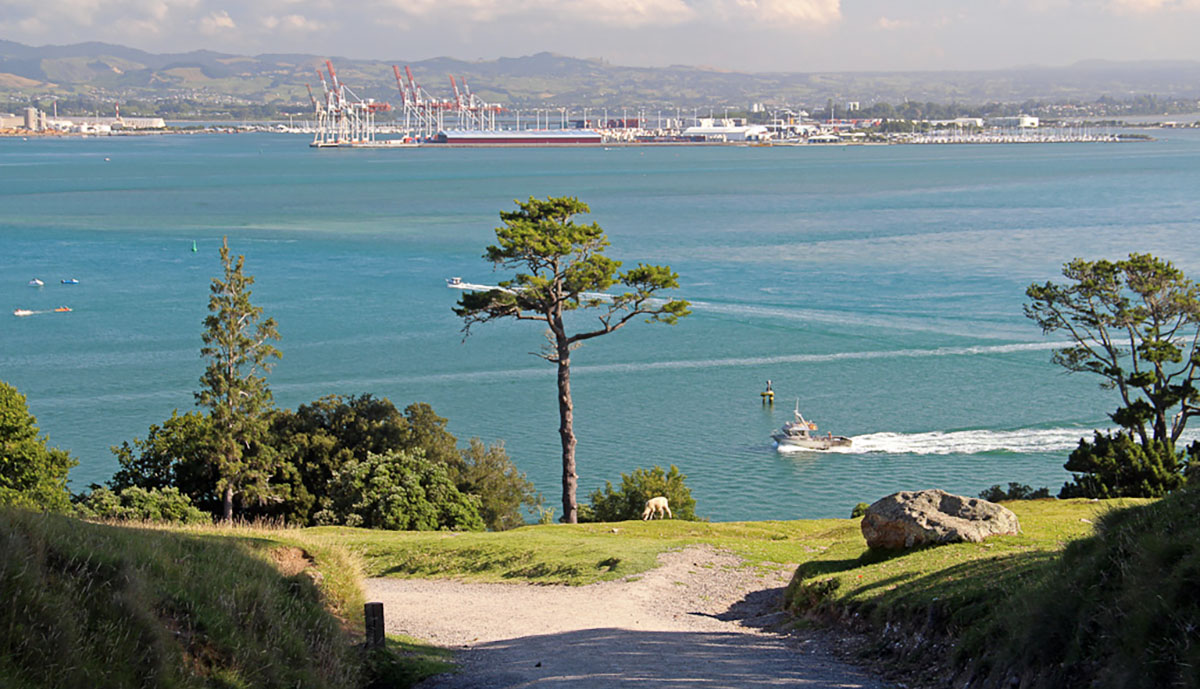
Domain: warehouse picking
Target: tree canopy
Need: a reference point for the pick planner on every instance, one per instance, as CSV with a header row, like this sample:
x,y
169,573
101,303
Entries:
x,y
561,267
1135,323
31,474
237,345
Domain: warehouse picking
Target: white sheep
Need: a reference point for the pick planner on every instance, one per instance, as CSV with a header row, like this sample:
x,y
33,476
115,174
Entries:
x,y
656,506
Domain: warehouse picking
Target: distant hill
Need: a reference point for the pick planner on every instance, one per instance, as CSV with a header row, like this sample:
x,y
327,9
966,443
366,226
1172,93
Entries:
x,y
103,71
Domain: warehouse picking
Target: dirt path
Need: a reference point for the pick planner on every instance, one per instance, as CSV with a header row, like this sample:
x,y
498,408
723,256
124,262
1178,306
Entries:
x,y
698,620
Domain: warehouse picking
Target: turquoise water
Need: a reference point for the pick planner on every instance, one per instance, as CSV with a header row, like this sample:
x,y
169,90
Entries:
x,y
882,286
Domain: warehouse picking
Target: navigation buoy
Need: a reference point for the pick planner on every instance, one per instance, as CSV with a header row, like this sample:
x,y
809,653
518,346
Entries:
x,y
193,246
768,395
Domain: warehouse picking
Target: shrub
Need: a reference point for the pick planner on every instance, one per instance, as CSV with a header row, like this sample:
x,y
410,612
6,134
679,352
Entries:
x,y
1016,491
859,510
611,505
401,491
32,475
1113,465
486,472
138,504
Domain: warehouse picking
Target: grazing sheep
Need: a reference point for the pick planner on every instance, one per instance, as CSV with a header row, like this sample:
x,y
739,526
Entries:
x,y
656,506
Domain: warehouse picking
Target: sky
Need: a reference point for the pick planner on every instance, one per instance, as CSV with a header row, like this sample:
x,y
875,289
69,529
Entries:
x,y
742,35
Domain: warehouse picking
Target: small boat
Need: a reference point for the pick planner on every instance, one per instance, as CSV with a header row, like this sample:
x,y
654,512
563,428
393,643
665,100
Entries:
x,y
70,281
22,312
36,283
797,435
453,282
62,309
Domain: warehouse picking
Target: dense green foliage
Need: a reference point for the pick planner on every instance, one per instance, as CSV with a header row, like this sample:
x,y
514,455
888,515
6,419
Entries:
x,y
237,346
139,504
173,455
567,270
1114,465
486,472
1016,491
88,605
612,505
320,448
1136,324
1118,611
401,490
31,474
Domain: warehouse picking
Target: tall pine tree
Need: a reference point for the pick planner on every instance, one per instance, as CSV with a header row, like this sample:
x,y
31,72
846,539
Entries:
x,y
237,345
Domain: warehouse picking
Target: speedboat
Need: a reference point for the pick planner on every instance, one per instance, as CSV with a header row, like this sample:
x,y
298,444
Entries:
x,y
36,283
454,282
62,309
797,434
70,281
22,312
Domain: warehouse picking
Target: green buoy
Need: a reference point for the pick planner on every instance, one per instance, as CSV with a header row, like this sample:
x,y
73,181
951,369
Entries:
x,y
193,245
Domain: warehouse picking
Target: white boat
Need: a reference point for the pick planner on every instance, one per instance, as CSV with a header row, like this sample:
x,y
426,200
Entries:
x,y
454,282
22,312
798,435
36,283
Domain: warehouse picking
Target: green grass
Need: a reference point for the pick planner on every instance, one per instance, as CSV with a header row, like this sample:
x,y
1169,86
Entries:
x,y
577,554
95,605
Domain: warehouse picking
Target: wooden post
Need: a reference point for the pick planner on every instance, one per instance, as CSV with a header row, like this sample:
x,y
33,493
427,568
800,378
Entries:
x,y
373,621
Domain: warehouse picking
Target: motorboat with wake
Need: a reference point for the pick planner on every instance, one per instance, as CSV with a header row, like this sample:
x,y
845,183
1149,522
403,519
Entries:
x,y
20,313
797,434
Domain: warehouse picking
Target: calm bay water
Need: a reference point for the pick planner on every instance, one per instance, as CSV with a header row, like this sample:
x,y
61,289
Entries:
x,y
881,286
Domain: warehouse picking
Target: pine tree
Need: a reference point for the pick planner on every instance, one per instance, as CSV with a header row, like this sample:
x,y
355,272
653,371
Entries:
x,y
236,343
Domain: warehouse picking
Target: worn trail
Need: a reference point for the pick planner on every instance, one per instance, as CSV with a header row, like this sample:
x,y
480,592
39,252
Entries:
x,y
701,619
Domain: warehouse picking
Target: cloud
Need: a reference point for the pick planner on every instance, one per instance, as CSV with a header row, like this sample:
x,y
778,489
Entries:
x,y
296,23
885,24
791,12
623,13
217,23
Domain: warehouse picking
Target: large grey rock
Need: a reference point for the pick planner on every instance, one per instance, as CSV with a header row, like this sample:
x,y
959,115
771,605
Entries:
x,y
914,518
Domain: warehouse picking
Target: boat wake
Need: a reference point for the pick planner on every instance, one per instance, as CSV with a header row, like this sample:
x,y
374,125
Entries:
x,y
1021,441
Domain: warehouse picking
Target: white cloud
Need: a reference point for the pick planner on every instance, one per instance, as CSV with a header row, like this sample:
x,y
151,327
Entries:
x,y
623,13
886,24
217,23
791,11
297,23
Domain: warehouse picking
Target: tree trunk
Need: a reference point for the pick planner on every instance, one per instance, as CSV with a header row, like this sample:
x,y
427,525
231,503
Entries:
x,y
227,505
566,432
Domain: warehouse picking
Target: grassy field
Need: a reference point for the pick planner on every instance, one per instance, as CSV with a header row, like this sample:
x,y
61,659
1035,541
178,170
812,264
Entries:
x,y
199,604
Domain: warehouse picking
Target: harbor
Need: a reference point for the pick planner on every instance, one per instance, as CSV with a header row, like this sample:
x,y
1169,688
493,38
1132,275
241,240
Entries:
x,y
344,120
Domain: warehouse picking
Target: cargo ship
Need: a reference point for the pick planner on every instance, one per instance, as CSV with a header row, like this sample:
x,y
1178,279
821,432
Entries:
x,y
518,137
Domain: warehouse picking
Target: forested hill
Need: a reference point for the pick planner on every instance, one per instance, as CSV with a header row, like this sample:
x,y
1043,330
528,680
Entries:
x,y
103,72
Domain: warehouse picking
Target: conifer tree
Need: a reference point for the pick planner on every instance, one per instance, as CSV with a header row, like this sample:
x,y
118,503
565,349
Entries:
x,y
567,270
237,345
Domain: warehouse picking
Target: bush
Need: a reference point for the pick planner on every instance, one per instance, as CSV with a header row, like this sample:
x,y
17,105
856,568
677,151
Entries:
x,y
486,472
32,475
1115,466
399,491
1016,491
138,504
859,510
610,505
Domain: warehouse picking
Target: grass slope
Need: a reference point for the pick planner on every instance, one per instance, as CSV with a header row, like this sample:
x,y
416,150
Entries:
x,y
91,605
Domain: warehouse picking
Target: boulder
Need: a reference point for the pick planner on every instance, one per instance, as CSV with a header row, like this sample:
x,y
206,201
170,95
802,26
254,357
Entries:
x,y
914,518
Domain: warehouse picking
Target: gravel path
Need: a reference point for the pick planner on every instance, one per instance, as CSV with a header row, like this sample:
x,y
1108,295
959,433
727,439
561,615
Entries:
x,y
700,619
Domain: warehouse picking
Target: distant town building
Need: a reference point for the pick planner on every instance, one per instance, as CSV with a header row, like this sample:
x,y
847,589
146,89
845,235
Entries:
x,y
1020,121
959,122
852,106
731,129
